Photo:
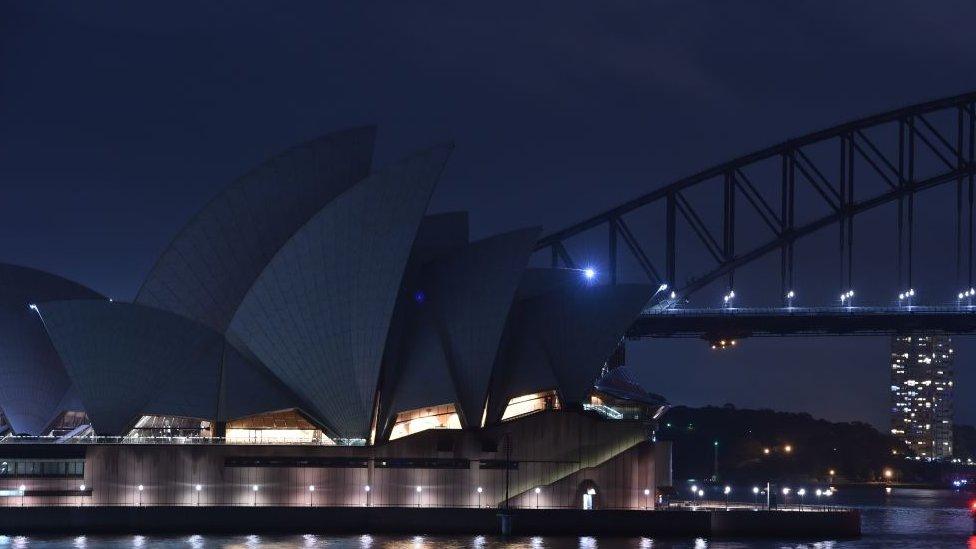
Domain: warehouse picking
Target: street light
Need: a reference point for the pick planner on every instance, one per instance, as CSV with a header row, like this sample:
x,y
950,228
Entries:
x,y
906,296
727,490
81,495
847,298
967,294
727,298
755,494
537,491
254,489
647,498
480,490
198,488
789,298
22,490
419,490
311,493
140,488
366,490
801,492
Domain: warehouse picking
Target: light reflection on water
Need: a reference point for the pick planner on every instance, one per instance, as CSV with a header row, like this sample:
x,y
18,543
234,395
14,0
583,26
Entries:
x,y
925,540
916,520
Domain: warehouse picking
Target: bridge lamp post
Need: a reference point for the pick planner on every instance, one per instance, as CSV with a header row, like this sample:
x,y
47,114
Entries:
x,y
23,489
419,491
755,495
847,299
906,297
255,489
789,299
140,488
537,492
198,488
647,498
727,299
968,296
801,492
727,490
480,491
311,494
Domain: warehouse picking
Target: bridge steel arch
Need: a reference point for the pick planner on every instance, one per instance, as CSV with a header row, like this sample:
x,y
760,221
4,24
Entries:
x,y
891,144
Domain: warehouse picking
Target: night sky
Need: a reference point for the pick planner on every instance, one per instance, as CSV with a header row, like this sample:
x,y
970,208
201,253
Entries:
x,y
118,120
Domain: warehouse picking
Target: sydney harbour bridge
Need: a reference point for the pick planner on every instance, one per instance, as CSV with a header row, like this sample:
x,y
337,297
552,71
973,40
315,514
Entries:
x,y
693,237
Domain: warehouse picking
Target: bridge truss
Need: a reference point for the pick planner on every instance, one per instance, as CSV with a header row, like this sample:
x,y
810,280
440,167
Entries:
x,y
902,152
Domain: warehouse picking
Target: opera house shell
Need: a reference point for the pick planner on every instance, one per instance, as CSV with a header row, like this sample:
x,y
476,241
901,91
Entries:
x,y
318,285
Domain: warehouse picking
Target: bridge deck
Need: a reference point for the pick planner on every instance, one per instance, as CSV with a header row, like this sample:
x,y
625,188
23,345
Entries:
x,y
735,323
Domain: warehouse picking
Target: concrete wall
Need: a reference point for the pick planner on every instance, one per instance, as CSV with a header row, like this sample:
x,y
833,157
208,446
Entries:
x,y
557,451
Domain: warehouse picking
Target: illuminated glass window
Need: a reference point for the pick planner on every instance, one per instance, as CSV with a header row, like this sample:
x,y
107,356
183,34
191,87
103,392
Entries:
x,y
168,428
285,427
531,403
434,417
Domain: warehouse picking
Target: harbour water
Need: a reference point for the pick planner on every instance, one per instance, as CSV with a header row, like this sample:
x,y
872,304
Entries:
x,y
911,519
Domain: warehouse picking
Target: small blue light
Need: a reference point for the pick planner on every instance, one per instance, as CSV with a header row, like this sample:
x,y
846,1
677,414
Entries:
x,y
419,296
589,273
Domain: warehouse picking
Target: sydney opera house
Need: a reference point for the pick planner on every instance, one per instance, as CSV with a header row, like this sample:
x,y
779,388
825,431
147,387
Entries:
x,y
312,336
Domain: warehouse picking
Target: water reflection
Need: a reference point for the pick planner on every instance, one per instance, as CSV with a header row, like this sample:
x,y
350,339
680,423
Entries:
x,y
911,520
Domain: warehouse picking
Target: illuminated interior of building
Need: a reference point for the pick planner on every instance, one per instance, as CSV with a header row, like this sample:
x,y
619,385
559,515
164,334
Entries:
x,y
531,403
434,417
170,426
282,427
67,422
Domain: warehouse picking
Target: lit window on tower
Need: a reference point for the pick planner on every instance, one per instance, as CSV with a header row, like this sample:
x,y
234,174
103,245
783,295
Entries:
x,y
921,394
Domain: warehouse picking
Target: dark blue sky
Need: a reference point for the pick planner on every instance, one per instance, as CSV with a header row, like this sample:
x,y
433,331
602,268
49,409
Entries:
x,y
118,120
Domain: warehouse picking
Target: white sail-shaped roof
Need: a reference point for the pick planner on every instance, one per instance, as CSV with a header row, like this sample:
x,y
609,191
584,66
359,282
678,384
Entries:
x,y
33,382
213,261
126,360
318,316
